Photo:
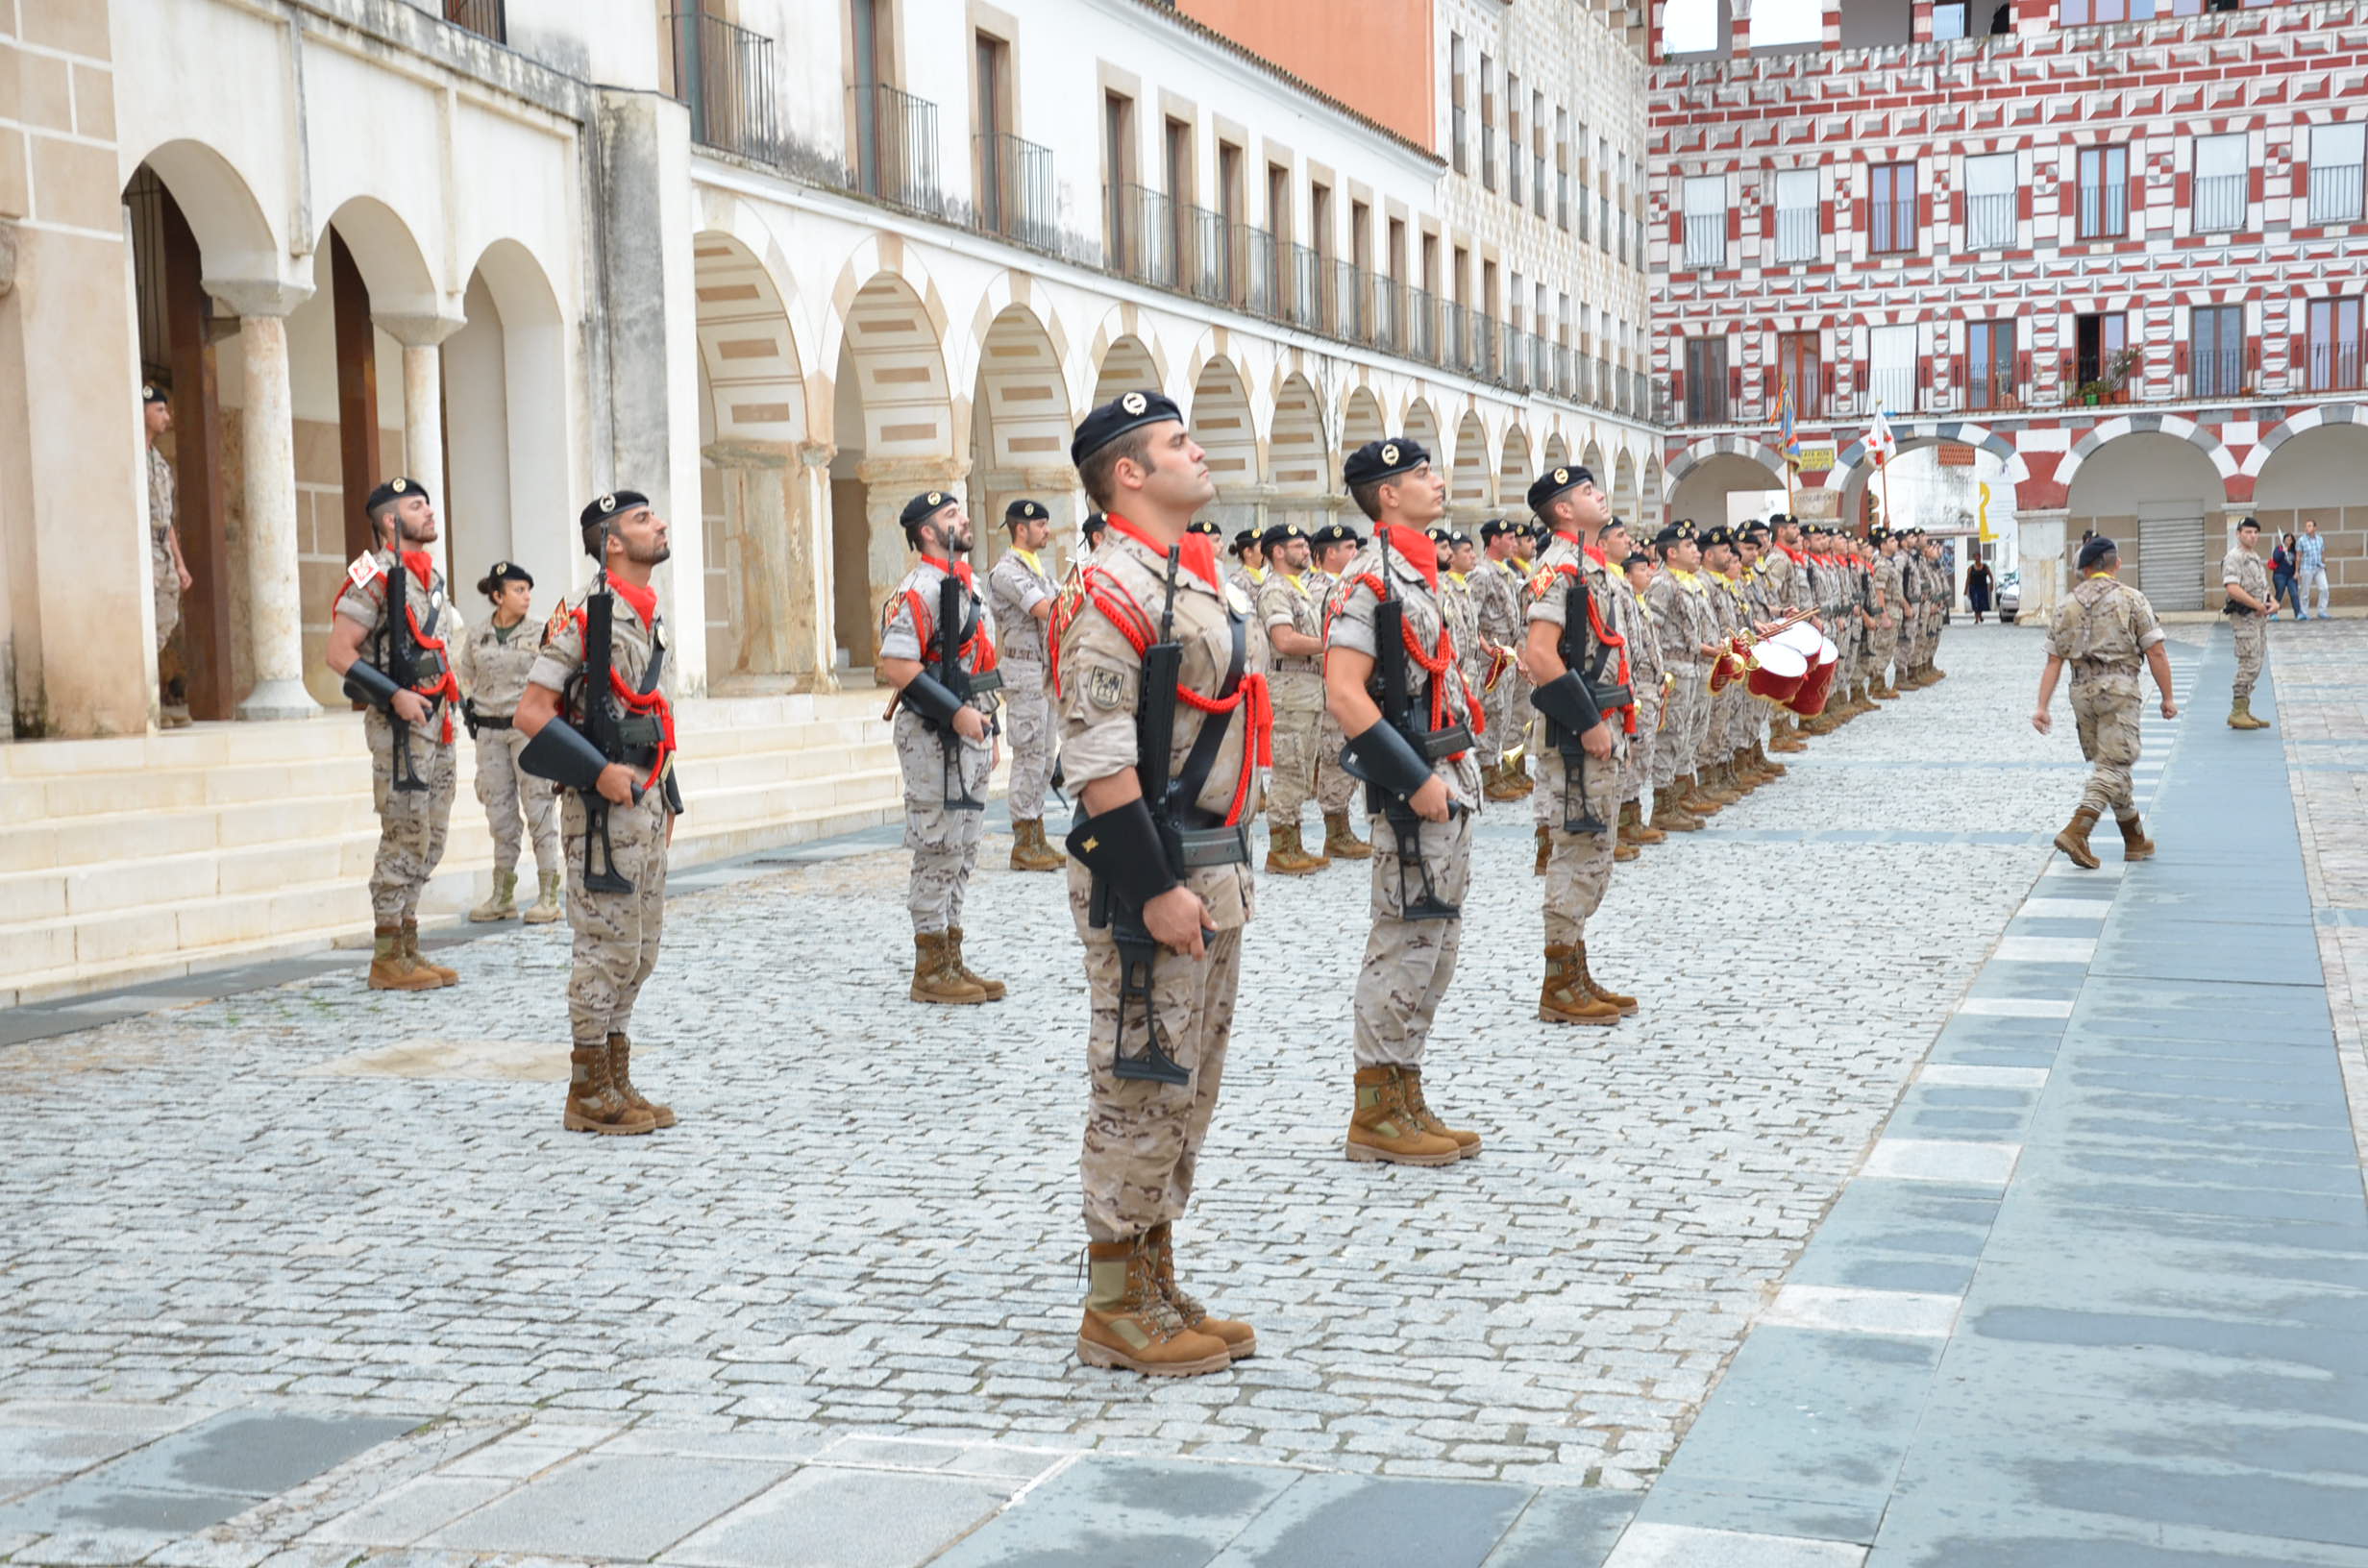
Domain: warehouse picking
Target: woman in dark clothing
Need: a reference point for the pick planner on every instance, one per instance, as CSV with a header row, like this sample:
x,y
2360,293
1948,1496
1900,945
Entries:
x,y
1977,589
2284,566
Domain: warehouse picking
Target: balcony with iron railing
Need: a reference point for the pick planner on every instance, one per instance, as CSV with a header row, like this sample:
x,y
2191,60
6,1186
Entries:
x,y
1990,221
1139,236
1796,236
486,18
2331,366
1017,198
895,147
1705,398
1706,240
2218,203
1891,388
2335,193
724,75
1991,387
2104,210
2216,374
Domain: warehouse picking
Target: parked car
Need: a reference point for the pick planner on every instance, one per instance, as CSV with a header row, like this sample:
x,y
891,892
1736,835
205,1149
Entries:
x,y
2010,596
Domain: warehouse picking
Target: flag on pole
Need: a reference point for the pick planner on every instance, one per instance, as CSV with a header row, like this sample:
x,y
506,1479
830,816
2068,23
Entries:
x,y
1880,443
1789,442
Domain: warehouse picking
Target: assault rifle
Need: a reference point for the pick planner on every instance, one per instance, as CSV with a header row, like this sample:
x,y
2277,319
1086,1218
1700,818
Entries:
x,y
951,604
574,758
1575,702
365,682
1393,757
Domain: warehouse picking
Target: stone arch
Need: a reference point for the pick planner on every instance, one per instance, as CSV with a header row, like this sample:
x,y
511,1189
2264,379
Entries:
x,y
1125,364
1421,425
753,385
1297,466
1362,420
1222,421
2161,498
1470,494
1019,409
1711,448
1909,435
1701,495
235,234
1591,458
1624,492
507,431
1652,502
892,344
1516,466
2309,419
389,257
2315,473
1556,453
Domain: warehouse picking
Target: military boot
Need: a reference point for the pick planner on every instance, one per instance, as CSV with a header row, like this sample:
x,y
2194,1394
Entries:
x,y
1241,1340
1504,784
503,906
621,1075
934,978
1467,1142
1593,987
593,1102
1668,817
1622,851
1884,690
1562,1000
1286,856
1714,787
1693,800
2072,841
996,990
1787,739
1632,828
2240,716
1129,1325
1339,843
1546,849
391,967
1384,1127
546,908
2134,844
444,976
1767,765
1029,852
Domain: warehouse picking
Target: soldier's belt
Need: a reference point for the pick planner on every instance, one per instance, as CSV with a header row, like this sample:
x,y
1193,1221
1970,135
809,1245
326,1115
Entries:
x,y
487,720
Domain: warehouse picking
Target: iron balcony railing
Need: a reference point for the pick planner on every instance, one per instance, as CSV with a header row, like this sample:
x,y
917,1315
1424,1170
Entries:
x,y
895,147
2333,366
1141,233
1537,186
2219,203
1308,273
2216,374
486,18
2105,210
724,74
1796,235
1705,398
1423,309
2335,193
1990,221
1891,389
1893,231
1017,198
1706,239
1991,386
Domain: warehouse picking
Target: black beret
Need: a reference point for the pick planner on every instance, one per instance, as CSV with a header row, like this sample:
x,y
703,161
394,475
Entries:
x,y
1281,534
1638,557
394,490
1686,530
1129,412
1720,534
1203,526
1094,524
1554,481
150,392
615,503
1334,534
1877,534
502,572
1025,511
1243,540
2096,550
2250,523
1459,538
1497,528
1439,533
1378,460
1757,533
1674,534
926,504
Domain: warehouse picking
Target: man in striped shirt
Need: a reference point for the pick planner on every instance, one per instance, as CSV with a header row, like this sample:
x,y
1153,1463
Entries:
x,y
2311,551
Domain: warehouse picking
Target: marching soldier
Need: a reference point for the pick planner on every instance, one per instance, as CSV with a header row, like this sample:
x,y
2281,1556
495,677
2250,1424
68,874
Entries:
x,y
1578,654
1497,597
1019,598
492,660
1334,545
1293,616
597,722
2104,629
397,665
2249,608
937,649
1394,686
1163,936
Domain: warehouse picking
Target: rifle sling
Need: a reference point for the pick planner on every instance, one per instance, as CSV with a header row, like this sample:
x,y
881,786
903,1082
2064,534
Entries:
x,y
1184,790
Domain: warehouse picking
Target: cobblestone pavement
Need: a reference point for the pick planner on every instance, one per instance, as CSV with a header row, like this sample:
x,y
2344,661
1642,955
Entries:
x,y
317,1199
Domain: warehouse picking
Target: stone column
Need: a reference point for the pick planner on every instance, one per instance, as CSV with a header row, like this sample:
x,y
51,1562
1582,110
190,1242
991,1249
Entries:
x,y
2039,557
814,621
268,452
774,558
889,483
422,411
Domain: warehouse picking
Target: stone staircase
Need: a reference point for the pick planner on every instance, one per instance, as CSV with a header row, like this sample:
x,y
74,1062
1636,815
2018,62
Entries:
x,y
147,857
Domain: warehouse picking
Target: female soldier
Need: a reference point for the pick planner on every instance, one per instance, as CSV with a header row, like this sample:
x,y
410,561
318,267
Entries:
x,y
493,664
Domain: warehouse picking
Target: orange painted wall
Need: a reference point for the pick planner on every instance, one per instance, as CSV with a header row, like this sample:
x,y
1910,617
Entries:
x,y
1372,55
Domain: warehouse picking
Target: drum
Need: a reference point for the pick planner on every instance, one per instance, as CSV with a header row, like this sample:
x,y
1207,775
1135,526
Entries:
x,y
1808,699
1803,639
1777,672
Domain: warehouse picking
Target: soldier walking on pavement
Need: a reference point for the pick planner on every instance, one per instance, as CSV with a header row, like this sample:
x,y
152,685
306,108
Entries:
x,y
1168,779
937,649
1334,545
1019,598
1578,656
1393,684
2103,630
2249,608
492,661
397,665
597,722
1293,616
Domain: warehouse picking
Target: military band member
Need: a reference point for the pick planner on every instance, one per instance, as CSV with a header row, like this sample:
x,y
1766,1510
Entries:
x,y
1497,595
1423,788
492,660
1020,597
1790,592
1163,939
1293,616
409,722
1714,762
2103,630
613,752
1334,545
1577,653
947,681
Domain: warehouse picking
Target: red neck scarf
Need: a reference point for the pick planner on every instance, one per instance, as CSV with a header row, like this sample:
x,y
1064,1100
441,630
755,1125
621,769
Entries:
x,y
960,570
1593,553
1199,551
1415,548
1795,553
644,599
421,565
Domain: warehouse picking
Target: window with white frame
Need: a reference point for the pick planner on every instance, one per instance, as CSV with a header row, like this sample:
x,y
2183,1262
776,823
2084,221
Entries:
x,y
1890,359
2223,169
2335,154
1990,202
1796,215
1706,220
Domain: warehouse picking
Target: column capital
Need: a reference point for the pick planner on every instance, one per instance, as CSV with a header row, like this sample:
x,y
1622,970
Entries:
x,y
919,472
1062,478
817,454
258,296
738,452
416,331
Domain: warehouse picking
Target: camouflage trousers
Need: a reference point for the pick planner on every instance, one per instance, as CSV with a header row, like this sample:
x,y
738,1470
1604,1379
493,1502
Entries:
x,y
1509,715
1645,746
2251,649
1296,727
1142,1140
1687,714
1335,789
616,933
165,578
1409,963
1578,866
1883,648
943,840
510,794
412,823
1027,727
2107,723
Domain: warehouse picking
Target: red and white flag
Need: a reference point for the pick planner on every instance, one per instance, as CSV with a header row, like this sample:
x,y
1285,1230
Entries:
x,y
1881,445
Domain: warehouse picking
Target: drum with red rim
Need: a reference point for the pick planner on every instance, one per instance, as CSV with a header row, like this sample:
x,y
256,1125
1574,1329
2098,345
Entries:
x,y
1777,671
